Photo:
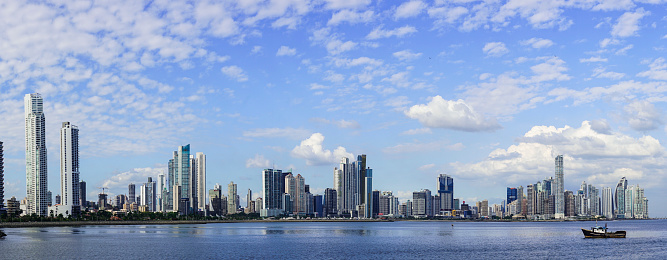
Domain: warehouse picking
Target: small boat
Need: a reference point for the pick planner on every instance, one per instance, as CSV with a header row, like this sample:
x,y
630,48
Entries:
x,y
602,232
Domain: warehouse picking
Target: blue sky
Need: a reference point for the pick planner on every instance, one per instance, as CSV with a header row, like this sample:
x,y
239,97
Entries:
x,y
486,91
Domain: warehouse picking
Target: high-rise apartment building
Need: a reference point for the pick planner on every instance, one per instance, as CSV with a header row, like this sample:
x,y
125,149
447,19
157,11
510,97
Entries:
x,y
607,203
272,184
148,195
2,177
422,203
182,184
446,193
330,207
160,193
69,169
232,198
82,195
619,198
200,173
131,193
351,182
559,189
35,155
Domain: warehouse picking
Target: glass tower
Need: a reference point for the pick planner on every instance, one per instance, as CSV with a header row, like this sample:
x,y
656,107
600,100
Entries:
x,y
35,155
559,189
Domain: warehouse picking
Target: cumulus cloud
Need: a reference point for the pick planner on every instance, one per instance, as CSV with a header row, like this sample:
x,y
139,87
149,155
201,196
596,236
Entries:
x,y
628,24
445,15
351,17
586,152
379,32
258,162
286,51
593,59
234,72
495,49
643,115
603,73
288,132
406,55
409,9
450,114
538,43
417,131
657,70
314,153
119,181
346,4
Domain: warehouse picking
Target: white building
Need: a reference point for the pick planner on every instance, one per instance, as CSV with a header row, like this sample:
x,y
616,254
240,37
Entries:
x,y
559,190
200,175
607,203
69,169
35,155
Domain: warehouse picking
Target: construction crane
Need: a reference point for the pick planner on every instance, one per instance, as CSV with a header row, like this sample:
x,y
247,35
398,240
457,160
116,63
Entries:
x,y
103,189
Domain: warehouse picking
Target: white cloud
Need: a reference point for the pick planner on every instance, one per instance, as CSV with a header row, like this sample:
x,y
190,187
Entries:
x,y
350,124
406,55
416,147
609,41
643,116
417,131
495,49
314,153
538,43
409,9
585,150
603,73
235,73
350,17
447,15
258,162
426,167
119,181
628,23
256,49
292,133
379,33
456,115
286,51
657,70
349,4
593,59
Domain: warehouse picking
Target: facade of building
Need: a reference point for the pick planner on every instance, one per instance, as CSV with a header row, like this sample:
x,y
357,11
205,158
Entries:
x,y
2,177
272,181
422,203
131,193
330,208
232,198
559,189
445,193
607,206
619,198
35,155
200,173
69,169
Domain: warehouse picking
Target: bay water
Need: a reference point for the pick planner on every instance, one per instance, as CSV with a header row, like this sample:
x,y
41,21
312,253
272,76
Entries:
x,y
646,239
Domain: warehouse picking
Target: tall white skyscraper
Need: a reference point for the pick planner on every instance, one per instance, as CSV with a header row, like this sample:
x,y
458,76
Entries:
x,y
607,202
69,168
200,174
559,190
35,155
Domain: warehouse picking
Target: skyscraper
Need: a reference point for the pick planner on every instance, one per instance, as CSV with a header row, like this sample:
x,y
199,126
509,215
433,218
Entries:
x,y
232,201
368,192
200,163
69,168
511,195
607,203
35,155
445,192
271,195
131,193
330,199
148,194
82,194
181,181
559,189
2,177
248,198
160,185
619,198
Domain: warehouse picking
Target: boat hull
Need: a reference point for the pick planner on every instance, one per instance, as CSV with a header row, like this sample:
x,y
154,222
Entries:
x,y
590,234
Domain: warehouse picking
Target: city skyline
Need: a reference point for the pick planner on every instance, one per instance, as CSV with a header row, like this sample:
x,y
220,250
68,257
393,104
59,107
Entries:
x,y
486,92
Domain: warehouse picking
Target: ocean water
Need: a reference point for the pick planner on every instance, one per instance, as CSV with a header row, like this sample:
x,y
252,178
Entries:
x,y
340,240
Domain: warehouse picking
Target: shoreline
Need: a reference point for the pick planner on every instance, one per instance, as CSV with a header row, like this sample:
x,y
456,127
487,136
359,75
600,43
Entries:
x,y
184,222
